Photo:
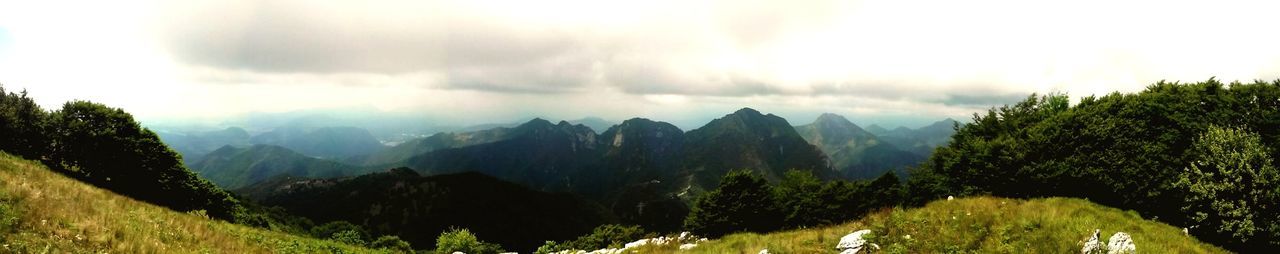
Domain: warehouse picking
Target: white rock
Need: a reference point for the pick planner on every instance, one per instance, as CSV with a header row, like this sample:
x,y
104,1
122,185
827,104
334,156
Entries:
x,y
688,246
1121,243
458,252
685,236
636,243
950,198
763,251
853,240
1092,245
851,251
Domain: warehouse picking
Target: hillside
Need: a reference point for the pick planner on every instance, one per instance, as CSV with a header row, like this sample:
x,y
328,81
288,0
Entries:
x,y
538,154
336,143
43,211
920,141
971,225
855,153
418,208
230,167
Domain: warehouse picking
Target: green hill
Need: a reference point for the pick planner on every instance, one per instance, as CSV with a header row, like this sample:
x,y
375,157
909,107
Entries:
x,y
971,225
42,211
231,167
854,152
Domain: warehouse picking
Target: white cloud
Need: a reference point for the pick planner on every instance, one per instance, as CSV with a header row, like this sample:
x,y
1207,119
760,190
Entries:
x,y
658,59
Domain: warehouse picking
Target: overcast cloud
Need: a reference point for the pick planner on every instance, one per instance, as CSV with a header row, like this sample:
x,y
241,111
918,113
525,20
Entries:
x,y
490,61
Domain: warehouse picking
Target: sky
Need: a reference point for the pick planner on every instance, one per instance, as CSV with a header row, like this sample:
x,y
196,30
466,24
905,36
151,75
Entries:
x,y
466,62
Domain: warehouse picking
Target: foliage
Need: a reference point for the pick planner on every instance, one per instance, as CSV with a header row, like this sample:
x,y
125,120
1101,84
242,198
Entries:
x,y
461,240
22,127
1122,150
332,228
1232,187
391,242
743,202
604,236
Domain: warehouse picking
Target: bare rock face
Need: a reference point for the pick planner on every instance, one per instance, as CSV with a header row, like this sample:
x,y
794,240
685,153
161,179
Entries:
x,y
1093,245
853,242
1121,243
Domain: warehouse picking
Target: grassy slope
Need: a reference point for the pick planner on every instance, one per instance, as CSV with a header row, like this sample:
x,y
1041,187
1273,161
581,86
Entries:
x,y
973,225
42,211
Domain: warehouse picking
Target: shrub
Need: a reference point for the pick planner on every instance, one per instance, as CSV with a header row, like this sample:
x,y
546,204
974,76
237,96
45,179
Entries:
x,y
603,236
393,243
742,202
462,240
350,237
328,230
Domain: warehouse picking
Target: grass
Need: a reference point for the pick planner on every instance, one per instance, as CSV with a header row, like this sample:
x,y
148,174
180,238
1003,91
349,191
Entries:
x,y
42,211
971,225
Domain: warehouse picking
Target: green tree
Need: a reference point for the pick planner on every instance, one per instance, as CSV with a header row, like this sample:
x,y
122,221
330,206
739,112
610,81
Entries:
x,y
742,202
462,240
325,231
105,147
22,122
798,197
1232,186
885,191
393,243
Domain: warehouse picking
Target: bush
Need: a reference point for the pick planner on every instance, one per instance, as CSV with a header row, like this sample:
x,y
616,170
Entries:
x,y
328,230
349,237
393,243
1231,186
462,240
603,236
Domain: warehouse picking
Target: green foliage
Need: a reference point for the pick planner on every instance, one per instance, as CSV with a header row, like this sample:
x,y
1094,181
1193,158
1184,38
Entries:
x,y
332,228
798,195
604,236
22,127
391,242
461,239
743,202
350,237
1232,186
1122,150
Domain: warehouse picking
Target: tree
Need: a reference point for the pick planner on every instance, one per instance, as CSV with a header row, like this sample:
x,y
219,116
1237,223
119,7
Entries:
x,y
798,197
1232,187
462,240
742,202
105,147
22,124
327,230
885,191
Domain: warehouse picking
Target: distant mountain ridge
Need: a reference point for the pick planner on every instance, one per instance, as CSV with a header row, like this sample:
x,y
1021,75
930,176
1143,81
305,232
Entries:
x,y
231,167
920,141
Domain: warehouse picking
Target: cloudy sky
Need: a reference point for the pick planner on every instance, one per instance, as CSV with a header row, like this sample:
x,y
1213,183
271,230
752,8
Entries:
x,y
895,62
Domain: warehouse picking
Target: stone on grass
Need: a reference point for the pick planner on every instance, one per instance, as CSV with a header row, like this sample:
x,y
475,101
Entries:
x,y
1121,243
1093,245
853,241
688,246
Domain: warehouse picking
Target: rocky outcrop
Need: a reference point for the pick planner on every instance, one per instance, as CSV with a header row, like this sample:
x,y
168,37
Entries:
x,y
1093,245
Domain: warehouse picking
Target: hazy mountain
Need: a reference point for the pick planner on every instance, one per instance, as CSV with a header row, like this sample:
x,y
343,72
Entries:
x,y
920,141
337,143
399,153
230,167
854,152
747,139
595,123
195,144
418,208
538,154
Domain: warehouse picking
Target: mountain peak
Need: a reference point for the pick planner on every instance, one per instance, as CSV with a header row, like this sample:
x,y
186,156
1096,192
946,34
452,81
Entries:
x,y
746,111
832,118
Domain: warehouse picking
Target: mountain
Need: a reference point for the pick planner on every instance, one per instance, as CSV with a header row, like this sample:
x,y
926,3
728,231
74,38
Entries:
x,y
325,142
538,154
640,164
853,152
42,211
595,123
195,144
747,139
417,208
1042,225
399,153
920,141
230,167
